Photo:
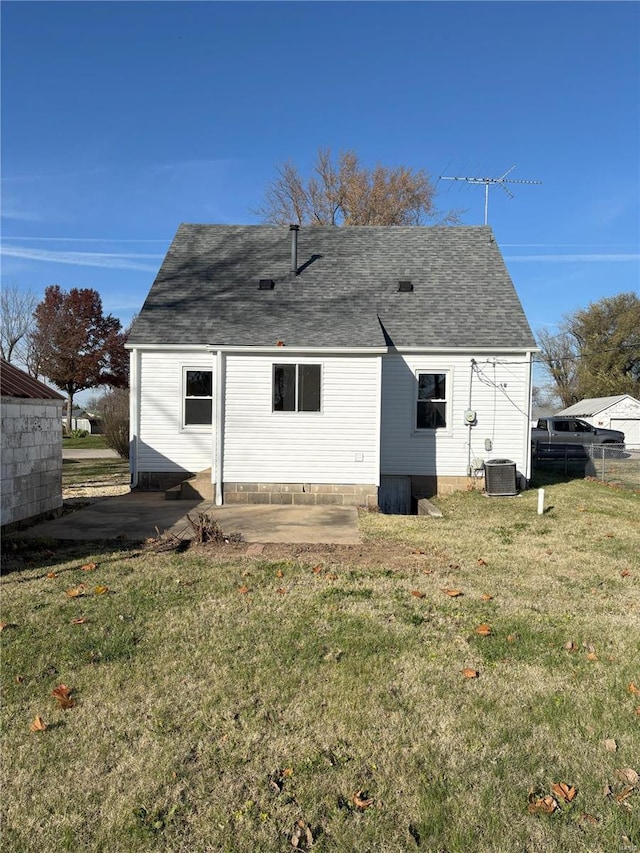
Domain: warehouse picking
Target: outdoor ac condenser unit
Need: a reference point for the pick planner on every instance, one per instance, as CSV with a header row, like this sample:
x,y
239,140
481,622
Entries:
x,y
500,477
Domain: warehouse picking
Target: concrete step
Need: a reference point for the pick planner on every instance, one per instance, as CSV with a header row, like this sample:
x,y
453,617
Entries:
x,y
198,487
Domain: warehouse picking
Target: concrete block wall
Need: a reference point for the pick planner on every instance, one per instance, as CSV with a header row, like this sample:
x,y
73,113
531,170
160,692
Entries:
x,y
31,461
301,494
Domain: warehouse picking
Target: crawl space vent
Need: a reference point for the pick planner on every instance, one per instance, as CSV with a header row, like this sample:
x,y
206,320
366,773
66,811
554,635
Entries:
x,y
405,286
266,284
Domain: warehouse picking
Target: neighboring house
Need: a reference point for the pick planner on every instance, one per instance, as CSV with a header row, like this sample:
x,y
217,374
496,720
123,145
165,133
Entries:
x,y
31,446
81,419
329,365
619,412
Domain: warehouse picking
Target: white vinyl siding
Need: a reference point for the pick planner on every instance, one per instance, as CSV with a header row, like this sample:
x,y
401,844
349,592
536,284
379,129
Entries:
x,y
500,397
339,444
164,444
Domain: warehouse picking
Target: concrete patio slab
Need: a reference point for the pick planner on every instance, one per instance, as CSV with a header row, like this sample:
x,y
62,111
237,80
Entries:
x,y
135,517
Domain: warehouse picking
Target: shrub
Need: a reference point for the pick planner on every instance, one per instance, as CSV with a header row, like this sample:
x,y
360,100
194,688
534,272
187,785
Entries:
x,y
114,409
78,433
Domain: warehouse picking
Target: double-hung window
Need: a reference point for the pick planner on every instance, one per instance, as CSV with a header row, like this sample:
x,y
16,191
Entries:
x,y
432,401
296,387
198,397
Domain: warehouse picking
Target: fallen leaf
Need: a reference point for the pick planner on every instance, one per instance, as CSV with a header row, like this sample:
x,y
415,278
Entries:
x,y
609,536
486,597
19,679
89,567
628,775
588,818
511,638
316,570
484,630
79,621
101,590
570,646
625,573
62,695
470,673
38,725
454,566
288,771
279,573
243,589
454,593
361,802
417,594
4,625
481,562
638,711
542,805
582,509
624,794
633,689
281,591
427,571
610,745
51,575
564,792
332,577
301,829
592,656
75,591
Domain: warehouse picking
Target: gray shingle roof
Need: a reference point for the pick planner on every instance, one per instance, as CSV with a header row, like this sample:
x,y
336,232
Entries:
x,y
594,405
346,292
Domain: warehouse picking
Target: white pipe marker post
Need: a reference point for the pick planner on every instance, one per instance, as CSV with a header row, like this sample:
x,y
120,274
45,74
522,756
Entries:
x,y
540,501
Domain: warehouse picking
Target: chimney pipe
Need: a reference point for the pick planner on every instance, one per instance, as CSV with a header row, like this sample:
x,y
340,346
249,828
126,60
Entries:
x,y
294,248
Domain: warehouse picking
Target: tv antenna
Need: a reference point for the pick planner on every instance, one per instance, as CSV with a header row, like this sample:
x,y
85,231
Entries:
x,y
501,181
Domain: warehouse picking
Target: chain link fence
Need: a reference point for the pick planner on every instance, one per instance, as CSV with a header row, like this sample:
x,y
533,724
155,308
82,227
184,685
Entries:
x,y
605,462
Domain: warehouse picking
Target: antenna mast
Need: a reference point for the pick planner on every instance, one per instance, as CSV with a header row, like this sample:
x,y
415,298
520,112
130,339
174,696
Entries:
x,y
501,181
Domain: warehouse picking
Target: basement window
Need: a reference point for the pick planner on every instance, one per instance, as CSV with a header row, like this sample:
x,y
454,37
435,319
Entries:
x,y
432,401
296,387
198,397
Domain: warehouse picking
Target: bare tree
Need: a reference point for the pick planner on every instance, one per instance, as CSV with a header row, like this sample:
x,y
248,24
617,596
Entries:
x,y
558,355
344,192
16,321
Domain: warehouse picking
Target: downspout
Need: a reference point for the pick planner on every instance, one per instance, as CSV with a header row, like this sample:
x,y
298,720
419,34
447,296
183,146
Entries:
x,y
219,426
527,438
134,415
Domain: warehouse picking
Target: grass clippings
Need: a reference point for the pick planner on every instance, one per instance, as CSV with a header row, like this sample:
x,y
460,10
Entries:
x,y
212,712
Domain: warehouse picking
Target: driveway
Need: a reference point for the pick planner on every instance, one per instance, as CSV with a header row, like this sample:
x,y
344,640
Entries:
x,y
135,516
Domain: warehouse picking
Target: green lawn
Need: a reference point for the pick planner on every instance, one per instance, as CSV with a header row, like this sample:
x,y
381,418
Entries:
x,y
88,442
226,702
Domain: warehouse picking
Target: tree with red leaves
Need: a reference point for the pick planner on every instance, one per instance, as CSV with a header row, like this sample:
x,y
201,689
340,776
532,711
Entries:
x,y
78,346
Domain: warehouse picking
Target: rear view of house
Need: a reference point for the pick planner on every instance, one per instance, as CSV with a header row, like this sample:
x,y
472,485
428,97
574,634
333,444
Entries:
x,y
329,365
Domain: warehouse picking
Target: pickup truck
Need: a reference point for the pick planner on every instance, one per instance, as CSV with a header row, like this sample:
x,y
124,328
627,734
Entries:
x,y
572,431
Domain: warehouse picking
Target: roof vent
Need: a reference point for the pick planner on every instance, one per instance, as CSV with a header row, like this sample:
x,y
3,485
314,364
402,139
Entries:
x,y
405,287
266,284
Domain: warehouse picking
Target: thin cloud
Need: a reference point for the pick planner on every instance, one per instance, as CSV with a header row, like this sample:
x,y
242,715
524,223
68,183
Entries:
x,y
121,260
11,212
575,259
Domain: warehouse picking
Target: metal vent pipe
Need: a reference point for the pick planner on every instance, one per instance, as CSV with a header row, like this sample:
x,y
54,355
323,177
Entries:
x,y
294,248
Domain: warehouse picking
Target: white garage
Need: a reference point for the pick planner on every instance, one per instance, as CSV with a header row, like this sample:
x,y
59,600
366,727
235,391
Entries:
x,y
621,412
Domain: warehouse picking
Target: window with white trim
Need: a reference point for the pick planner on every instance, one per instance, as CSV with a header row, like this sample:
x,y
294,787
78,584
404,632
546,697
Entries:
x,y
198,397
432,401
296,387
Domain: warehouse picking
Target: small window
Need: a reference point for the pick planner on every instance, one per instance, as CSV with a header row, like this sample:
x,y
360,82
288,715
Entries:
x,y
296,387
432,401
198,397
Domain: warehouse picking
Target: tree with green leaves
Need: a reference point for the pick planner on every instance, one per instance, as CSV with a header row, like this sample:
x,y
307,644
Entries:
x,y
597,351
78,346
342,191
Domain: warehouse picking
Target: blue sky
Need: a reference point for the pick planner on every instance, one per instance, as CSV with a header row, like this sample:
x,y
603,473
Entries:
x,y
121,120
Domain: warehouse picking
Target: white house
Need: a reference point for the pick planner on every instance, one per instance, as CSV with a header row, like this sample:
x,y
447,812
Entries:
x,y
31,447
329,365
619,412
